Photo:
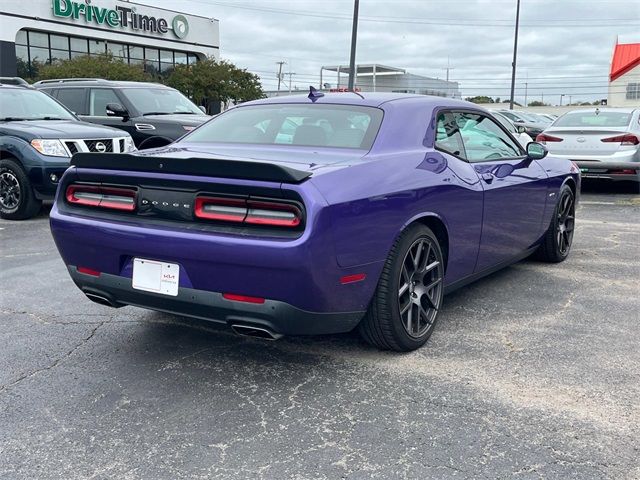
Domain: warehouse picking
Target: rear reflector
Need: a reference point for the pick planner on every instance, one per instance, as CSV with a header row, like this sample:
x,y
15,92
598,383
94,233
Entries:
x,y
357,277
544,138
625,171
255,212
626,139
88,271
114,198
242,298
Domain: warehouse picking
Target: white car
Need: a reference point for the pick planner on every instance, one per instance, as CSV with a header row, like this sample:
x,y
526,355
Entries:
x,y
603,142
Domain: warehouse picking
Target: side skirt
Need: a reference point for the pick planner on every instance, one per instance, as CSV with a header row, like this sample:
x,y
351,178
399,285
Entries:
x,y
488,271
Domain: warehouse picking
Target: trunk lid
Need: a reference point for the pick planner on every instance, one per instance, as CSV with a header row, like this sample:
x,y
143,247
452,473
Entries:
x,y
584,141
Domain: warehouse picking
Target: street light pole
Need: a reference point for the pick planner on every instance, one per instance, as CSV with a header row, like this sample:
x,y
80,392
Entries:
x,y
515,54
354,35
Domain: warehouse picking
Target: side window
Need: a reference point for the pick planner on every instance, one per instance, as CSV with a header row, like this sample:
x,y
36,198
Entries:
x,y
448,138
73,99
484,139
98,100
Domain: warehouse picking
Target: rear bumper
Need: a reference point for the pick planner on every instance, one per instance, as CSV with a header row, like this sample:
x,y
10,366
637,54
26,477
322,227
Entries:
x,y
275,316
609,170
301,272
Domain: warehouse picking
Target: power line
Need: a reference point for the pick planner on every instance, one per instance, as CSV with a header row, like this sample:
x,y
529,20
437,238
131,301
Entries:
x,y
442,22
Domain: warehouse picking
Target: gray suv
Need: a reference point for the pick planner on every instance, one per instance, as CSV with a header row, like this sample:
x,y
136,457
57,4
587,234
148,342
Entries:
x,y
153,114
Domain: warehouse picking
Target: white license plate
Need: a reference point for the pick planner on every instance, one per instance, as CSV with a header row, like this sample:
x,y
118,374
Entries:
x,y
157,277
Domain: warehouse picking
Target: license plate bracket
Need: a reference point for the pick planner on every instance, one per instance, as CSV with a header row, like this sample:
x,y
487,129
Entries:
x,y
155,276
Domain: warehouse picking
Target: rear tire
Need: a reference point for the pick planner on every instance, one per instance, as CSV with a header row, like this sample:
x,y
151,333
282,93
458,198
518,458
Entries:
x,y
17,201
556,244
405,305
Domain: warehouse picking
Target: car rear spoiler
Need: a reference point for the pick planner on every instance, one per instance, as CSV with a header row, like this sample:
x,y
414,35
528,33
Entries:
x,y
242,169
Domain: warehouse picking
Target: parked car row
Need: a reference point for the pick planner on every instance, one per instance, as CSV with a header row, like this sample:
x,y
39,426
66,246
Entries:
x,y
44,125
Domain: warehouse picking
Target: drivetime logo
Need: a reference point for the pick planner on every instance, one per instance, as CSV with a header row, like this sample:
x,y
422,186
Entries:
x,y
120,17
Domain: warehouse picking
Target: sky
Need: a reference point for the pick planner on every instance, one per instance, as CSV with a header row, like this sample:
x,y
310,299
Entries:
x,y
564,46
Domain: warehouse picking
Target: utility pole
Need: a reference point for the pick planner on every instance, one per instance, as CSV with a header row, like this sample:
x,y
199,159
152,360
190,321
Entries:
x,y
280,64
570,102
447,68
525,93
354,35
515,56
290,75
561,95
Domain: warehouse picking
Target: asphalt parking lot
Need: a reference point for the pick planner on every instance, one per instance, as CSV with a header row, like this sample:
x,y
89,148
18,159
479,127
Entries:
x,y
533,372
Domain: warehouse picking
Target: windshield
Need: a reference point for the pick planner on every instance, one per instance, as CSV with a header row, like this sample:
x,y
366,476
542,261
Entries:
x,y
342,126
530,117
159,101
27,104
505,123
594,119
512,116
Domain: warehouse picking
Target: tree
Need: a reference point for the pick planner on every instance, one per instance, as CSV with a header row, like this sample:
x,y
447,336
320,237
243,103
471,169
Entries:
x,y
480,99
215,80
96,66
538,103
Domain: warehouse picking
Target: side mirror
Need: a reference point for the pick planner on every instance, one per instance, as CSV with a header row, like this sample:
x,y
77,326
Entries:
x,y
203,108
536,151
521,129
116,110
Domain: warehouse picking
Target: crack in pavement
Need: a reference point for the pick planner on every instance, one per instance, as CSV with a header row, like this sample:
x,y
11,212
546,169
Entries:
x,y
56,362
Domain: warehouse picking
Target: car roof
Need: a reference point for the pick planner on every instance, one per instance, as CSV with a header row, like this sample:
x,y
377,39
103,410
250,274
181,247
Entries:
x,y
91,82
604,110
9,86
368,99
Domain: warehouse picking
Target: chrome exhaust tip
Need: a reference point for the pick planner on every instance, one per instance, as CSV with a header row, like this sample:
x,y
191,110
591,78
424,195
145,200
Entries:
x,y
94,297
255,332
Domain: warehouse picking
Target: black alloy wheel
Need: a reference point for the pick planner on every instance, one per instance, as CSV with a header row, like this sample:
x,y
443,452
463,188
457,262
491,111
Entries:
x,y
9,191
557,241
404,308
419,293
565,222
17,200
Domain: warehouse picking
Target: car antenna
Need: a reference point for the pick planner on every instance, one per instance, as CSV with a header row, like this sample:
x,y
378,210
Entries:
x,y
314,94
357,93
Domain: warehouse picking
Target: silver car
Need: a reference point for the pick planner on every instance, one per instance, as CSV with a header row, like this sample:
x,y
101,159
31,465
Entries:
x,y
519,132
603,142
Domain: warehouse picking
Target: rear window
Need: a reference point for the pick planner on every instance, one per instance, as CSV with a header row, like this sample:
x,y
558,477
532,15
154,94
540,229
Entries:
x,y
342,126
594,119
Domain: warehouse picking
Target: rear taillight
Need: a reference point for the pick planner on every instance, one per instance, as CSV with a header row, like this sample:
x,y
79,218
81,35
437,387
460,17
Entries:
x,y
272,213
256,212
115,198
625,139
223,209
544,138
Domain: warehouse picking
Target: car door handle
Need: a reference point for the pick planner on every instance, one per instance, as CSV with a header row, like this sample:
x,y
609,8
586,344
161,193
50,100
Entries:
x,y
488,177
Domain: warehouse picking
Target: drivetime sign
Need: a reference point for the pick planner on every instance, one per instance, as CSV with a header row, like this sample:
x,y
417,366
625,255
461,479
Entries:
x,y
120,17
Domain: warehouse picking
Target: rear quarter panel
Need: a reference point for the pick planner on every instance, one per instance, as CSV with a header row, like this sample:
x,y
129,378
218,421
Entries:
x,y
373,202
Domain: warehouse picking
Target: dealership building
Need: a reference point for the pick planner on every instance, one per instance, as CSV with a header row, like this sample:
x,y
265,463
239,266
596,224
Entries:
x,y
34,32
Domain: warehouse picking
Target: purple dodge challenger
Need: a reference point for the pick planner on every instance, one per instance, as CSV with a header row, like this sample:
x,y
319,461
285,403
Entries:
x,y
315,215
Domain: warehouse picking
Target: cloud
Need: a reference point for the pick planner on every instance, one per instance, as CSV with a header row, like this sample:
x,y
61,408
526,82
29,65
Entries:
x,y
564,45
